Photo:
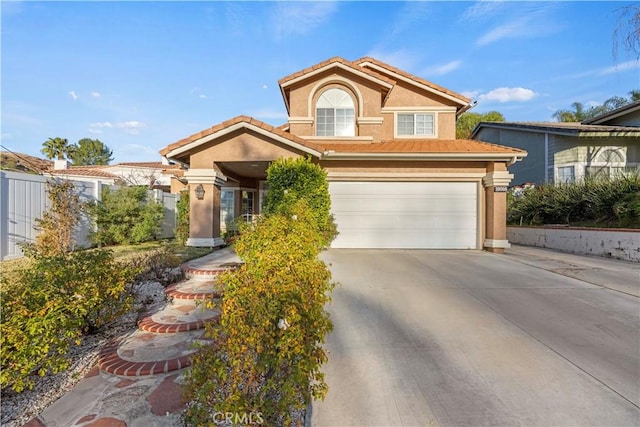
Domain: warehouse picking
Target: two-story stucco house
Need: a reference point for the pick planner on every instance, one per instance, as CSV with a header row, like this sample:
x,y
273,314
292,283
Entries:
x,y
398,178
566,152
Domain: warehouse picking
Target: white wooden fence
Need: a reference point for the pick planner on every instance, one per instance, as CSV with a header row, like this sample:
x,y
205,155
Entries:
x,y
23,199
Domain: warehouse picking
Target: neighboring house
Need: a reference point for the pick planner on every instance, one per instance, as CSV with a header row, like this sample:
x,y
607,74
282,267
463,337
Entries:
x,y
397,176
150,174
566,152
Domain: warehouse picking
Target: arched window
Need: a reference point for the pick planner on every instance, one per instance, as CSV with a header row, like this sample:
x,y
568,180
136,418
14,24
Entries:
x,y
335,114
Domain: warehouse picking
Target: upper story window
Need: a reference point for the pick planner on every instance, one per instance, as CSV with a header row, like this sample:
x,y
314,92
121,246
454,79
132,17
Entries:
x,y
415,124
335,114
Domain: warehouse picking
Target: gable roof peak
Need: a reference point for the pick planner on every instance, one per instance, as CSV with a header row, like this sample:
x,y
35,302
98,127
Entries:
x,y
367,61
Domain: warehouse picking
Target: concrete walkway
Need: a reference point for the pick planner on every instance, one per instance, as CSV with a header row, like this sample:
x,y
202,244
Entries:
x,y
467,338
137,382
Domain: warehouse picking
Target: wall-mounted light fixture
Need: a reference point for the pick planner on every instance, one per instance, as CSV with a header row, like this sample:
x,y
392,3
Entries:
x,y
199,191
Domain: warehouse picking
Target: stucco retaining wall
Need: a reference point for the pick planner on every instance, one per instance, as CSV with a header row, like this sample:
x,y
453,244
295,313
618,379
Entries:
x,y
606,242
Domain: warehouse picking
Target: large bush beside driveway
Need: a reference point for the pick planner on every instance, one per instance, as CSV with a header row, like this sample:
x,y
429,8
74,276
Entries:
x,y
596,201
265,361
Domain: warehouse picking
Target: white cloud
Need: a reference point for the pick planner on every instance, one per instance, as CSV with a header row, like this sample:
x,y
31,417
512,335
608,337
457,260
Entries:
x,y
531,20
510,29
508,94
480,10
625,66
132,127
297,18
101,125
471,93
265,87
73,95
440,70
95,94
203,96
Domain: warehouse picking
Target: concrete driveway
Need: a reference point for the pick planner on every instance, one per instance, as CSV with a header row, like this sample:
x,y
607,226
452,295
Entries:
x,y
532,337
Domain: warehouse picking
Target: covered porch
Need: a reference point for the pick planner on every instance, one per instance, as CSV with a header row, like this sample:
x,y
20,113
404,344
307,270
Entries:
x,y
227,172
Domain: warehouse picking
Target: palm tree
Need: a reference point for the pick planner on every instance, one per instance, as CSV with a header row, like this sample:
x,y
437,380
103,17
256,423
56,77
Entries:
x,y
56,147
634,95
577,115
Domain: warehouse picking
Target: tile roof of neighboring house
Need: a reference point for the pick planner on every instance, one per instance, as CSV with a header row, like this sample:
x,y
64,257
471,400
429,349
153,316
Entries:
x,y
229,123
150,165
421,146
90,171
564,128
412,77
334,60
625,109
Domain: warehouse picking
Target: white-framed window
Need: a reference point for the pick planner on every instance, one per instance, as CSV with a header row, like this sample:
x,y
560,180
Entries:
x,y
566,174
227,203
335,114
415,124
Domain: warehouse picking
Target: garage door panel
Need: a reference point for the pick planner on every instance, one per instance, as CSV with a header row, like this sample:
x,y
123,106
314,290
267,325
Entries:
x,y
406,239
438,215
408,222
401,205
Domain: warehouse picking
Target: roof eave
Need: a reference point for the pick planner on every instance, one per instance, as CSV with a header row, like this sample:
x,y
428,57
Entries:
x,y
425,156
462,102
175,153
340,65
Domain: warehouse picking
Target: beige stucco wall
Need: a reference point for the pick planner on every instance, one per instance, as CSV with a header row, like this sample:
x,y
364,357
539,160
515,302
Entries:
x,y
368,100
241,146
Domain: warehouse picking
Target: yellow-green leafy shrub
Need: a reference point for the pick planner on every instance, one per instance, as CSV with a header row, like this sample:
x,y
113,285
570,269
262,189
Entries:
x,y
51,305
268,351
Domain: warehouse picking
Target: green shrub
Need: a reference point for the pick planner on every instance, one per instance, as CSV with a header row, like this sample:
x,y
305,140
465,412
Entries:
x,y
298,179
125,216
182,228
598,201
267,350
51,305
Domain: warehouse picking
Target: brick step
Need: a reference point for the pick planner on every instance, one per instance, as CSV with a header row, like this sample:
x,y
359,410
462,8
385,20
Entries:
x,y
145,353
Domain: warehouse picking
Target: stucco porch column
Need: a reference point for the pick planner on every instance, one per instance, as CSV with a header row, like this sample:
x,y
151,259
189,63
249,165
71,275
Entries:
x,y
496,182
204,215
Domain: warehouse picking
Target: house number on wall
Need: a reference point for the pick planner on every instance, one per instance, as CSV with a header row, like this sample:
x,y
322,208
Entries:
x,y
500,189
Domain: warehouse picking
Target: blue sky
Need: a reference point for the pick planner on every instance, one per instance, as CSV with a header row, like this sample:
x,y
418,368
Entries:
x,y
141,75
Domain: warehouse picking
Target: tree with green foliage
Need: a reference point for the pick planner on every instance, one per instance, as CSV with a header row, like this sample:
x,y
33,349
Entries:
x,y
124,216
90,152
580,113
57,148
58,223
299,179
183,208
468,121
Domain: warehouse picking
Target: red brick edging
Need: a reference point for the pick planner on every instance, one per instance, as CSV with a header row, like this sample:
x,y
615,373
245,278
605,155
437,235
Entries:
x,y
111,362
173,292
150,325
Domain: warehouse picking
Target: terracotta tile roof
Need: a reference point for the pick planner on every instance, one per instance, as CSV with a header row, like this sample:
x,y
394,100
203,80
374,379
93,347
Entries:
x,y
400,146
412,77
153,165
334,60
231,122
84,171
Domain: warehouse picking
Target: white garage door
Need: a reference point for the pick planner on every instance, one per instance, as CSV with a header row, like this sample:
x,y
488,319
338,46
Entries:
x,y
425,215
